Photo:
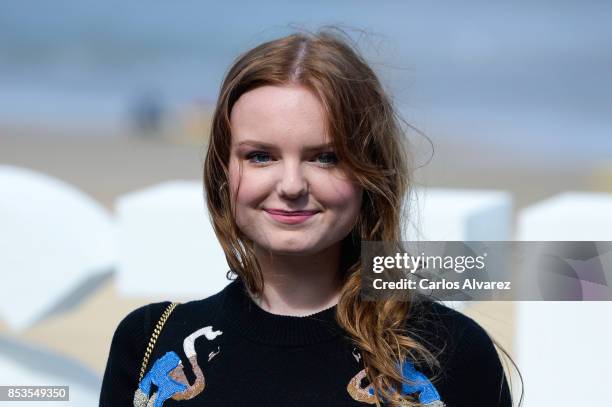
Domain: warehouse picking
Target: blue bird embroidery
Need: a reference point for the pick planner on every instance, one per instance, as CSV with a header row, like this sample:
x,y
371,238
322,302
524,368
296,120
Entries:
x,y
418,383
167,373
159,376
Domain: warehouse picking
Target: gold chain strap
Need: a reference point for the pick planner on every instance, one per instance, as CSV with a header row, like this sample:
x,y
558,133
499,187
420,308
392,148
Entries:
x,y
154,336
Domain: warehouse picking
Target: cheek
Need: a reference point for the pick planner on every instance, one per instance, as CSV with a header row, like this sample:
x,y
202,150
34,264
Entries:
x,y
354,202
246,188
345,204
234,177
239,193
343,196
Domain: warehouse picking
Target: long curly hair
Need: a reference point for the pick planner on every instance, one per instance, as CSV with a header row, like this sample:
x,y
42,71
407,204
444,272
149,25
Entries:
x,y
370,141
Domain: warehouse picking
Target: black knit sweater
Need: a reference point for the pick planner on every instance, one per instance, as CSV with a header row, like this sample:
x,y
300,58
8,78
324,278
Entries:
x,y
226,351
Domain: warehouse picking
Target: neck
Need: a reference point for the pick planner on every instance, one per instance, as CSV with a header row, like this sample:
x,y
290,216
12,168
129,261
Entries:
x,y
299,285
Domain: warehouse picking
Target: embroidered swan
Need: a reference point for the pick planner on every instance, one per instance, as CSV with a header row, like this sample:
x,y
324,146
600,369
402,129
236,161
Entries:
x,y
167,373
418,383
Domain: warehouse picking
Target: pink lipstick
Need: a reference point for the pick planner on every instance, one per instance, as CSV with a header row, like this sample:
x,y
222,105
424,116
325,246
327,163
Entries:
x,y
290,217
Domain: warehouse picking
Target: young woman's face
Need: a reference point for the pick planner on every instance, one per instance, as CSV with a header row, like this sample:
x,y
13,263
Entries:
x,y
294,197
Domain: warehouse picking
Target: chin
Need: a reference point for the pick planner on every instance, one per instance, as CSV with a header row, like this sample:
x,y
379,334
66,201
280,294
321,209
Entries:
x,y
287,249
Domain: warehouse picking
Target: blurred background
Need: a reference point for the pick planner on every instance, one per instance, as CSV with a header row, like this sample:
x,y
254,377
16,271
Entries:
x,y
104,115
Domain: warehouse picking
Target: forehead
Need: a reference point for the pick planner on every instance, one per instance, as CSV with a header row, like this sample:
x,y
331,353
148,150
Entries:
x,y
290,115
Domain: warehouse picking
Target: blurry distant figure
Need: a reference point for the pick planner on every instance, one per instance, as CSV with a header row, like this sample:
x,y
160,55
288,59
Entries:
x,y
147,114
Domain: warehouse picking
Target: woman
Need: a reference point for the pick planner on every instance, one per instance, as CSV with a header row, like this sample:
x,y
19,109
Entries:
x,y
305,160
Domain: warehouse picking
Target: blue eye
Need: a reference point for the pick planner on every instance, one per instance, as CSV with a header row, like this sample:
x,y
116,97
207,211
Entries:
x,y
258,157
328,158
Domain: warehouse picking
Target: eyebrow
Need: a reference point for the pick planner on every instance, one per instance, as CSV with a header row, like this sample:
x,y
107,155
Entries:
x,y
262,145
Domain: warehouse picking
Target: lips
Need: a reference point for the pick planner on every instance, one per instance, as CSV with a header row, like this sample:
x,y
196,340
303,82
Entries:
x,y
290,213
290,217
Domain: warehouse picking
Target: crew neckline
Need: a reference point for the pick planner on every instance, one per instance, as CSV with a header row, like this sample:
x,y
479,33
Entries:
x,y
257,324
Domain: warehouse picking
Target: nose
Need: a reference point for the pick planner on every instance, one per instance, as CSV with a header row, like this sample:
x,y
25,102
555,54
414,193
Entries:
x,y
293,183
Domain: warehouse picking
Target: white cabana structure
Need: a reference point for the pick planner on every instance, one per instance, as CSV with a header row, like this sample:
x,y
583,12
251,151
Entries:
x,y
566,343
167,246
55,243
459,214
438,214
